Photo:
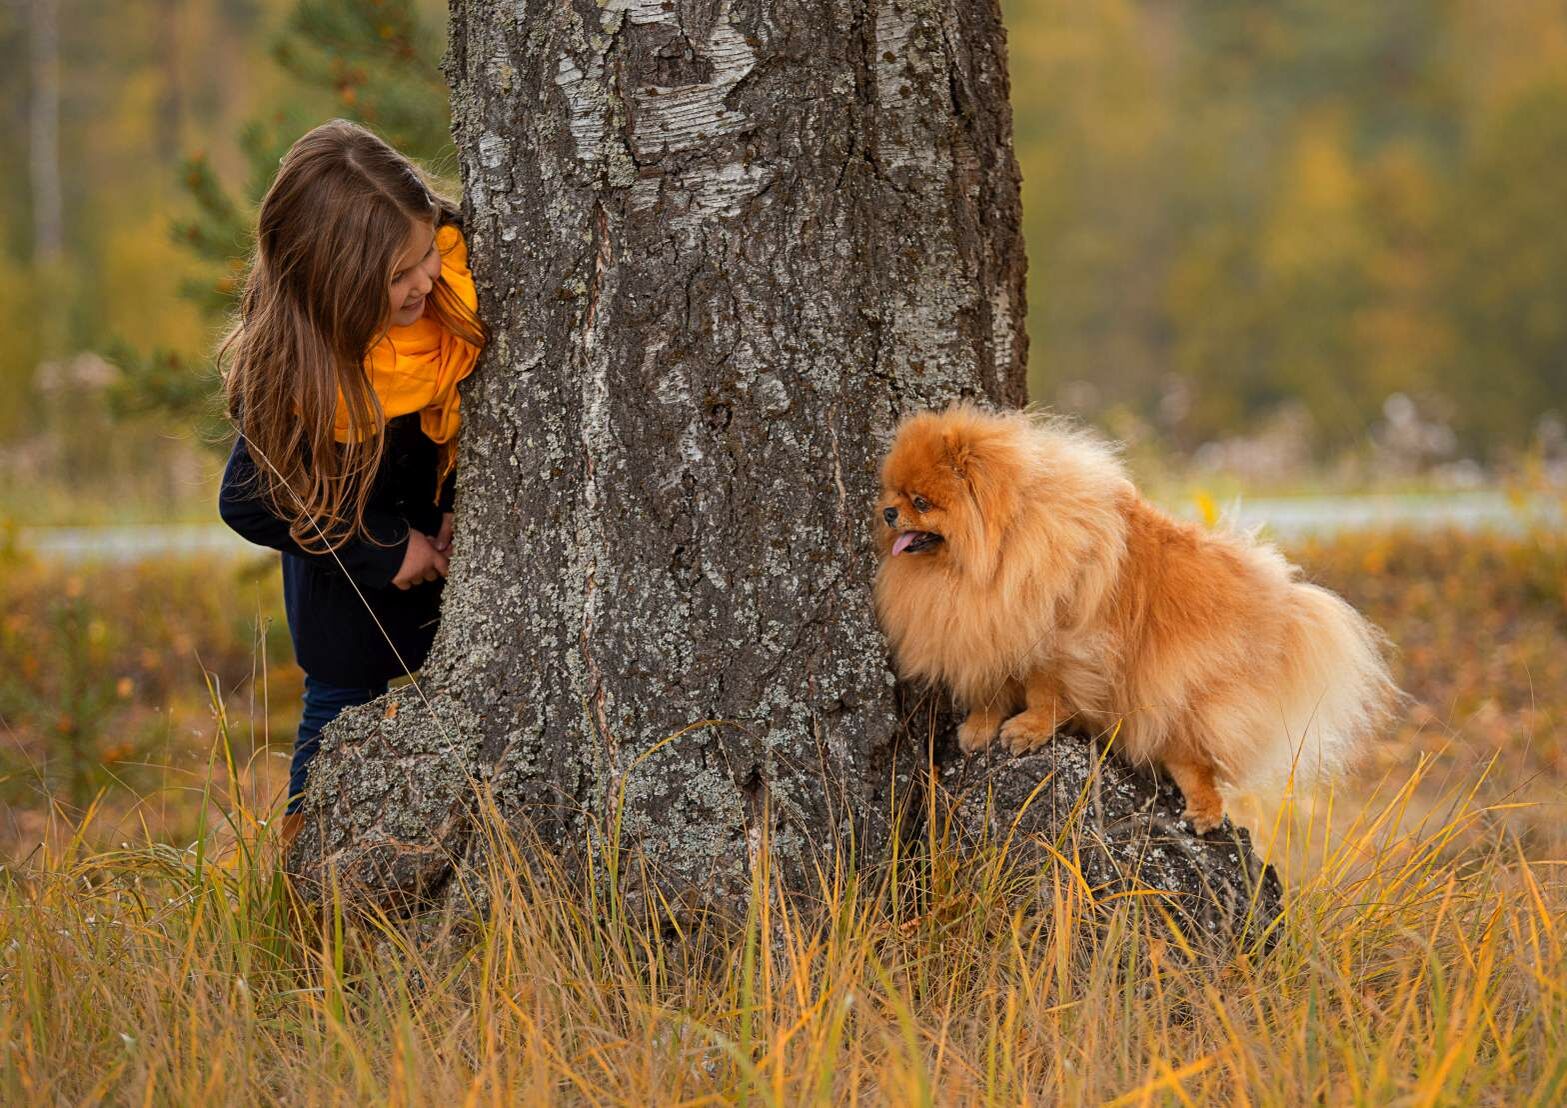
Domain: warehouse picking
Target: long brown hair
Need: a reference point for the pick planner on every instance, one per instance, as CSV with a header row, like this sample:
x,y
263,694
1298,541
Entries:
x,y
315,302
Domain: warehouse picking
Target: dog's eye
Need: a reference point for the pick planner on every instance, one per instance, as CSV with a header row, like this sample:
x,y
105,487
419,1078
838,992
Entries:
x,y
921,504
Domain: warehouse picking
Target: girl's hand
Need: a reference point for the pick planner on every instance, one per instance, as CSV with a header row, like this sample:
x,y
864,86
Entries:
x,y
443,540
421,562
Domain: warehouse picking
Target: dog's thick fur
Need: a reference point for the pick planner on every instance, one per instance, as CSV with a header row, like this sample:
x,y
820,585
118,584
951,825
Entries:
x,y
1022,570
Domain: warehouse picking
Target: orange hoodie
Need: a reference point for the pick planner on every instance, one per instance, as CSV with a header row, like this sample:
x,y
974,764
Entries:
x,y
416,368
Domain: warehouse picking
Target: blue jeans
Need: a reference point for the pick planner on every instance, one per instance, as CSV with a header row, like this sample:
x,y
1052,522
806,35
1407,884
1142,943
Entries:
x,y
323,702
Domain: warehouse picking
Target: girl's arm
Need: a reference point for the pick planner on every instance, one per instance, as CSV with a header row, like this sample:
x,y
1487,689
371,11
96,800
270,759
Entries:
x,y
368,564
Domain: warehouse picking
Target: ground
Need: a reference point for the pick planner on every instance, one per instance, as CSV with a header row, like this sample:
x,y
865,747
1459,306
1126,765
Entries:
x,y
144,944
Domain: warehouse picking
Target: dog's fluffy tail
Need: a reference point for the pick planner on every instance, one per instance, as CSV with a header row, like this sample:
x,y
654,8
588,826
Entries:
x,y
1334,689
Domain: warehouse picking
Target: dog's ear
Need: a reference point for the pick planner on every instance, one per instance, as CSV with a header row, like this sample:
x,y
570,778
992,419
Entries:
x,y
959,449
980,461
988,473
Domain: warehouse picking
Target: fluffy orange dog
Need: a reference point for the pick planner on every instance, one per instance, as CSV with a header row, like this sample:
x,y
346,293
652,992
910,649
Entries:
x,y
1022,570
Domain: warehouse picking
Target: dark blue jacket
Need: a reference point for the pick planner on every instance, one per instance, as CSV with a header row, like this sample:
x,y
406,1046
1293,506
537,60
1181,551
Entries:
x,y
350,625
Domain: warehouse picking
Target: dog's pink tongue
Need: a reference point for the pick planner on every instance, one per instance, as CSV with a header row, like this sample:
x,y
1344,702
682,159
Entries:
x,y
902,542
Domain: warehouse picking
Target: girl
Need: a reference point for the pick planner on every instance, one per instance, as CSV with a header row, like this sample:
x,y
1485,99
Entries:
x,y
357,321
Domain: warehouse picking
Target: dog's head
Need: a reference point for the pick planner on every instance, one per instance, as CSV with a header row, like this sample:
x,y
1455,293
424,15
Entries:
x,y
950,487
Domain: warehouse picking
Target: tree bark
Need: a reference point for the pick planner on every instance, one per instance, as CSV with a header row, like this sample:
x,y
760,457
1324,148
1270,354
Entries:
x,y
1121,831
723,246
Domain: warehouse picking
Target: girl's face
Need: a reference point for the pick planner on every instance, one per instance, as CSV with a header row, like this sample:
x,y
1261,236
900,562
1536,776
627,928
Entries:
x,y
413,274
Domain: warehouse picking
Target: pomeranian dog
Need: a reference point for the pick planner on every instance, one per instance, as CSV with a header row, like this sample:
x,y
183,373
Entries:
x,y
1021,570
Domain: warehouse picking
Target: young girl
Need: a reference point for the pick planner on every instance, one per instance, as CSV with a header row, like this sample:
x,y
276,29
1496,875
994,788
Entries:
x,y
357,321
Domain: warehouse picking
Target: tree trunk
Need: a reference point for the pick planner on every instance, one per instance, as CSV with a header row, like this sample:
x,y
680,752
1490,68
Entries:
x,y
44,134
170,111
1122,830
723,246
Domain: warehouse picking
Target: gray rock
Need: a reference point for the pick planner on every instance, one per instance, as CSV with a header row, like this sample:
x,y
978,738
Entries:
x,y
1124,829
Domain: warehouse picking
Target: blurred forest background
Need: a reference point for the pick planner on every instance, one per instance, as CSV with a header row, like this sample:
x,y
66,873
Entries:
x,y
1295,242
1278,246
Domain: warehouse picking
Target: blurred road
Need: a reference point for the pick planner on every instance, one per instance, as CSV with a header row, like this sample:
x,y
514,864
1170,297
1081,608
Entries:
x,y
134,542
1295,517
1282,518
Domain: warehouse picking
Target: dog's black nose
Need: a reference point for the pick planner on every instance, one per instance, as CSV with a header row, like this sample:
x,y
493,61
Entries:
x,y
891,516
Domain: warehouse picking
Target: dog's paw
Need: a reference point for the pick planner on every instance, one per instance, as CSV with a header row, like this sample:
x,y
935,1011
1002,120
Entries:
x,y
1203,820
1028,731
975,733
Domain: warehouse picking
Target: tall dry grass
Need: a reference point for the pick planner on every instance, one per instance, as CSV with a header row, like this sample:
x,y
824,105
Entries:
x,y
1420,959
1418,962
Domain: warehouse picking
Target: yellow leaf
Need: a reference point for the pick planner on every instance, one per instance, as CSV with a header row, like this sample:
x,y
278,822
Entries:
x,y
1205,505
